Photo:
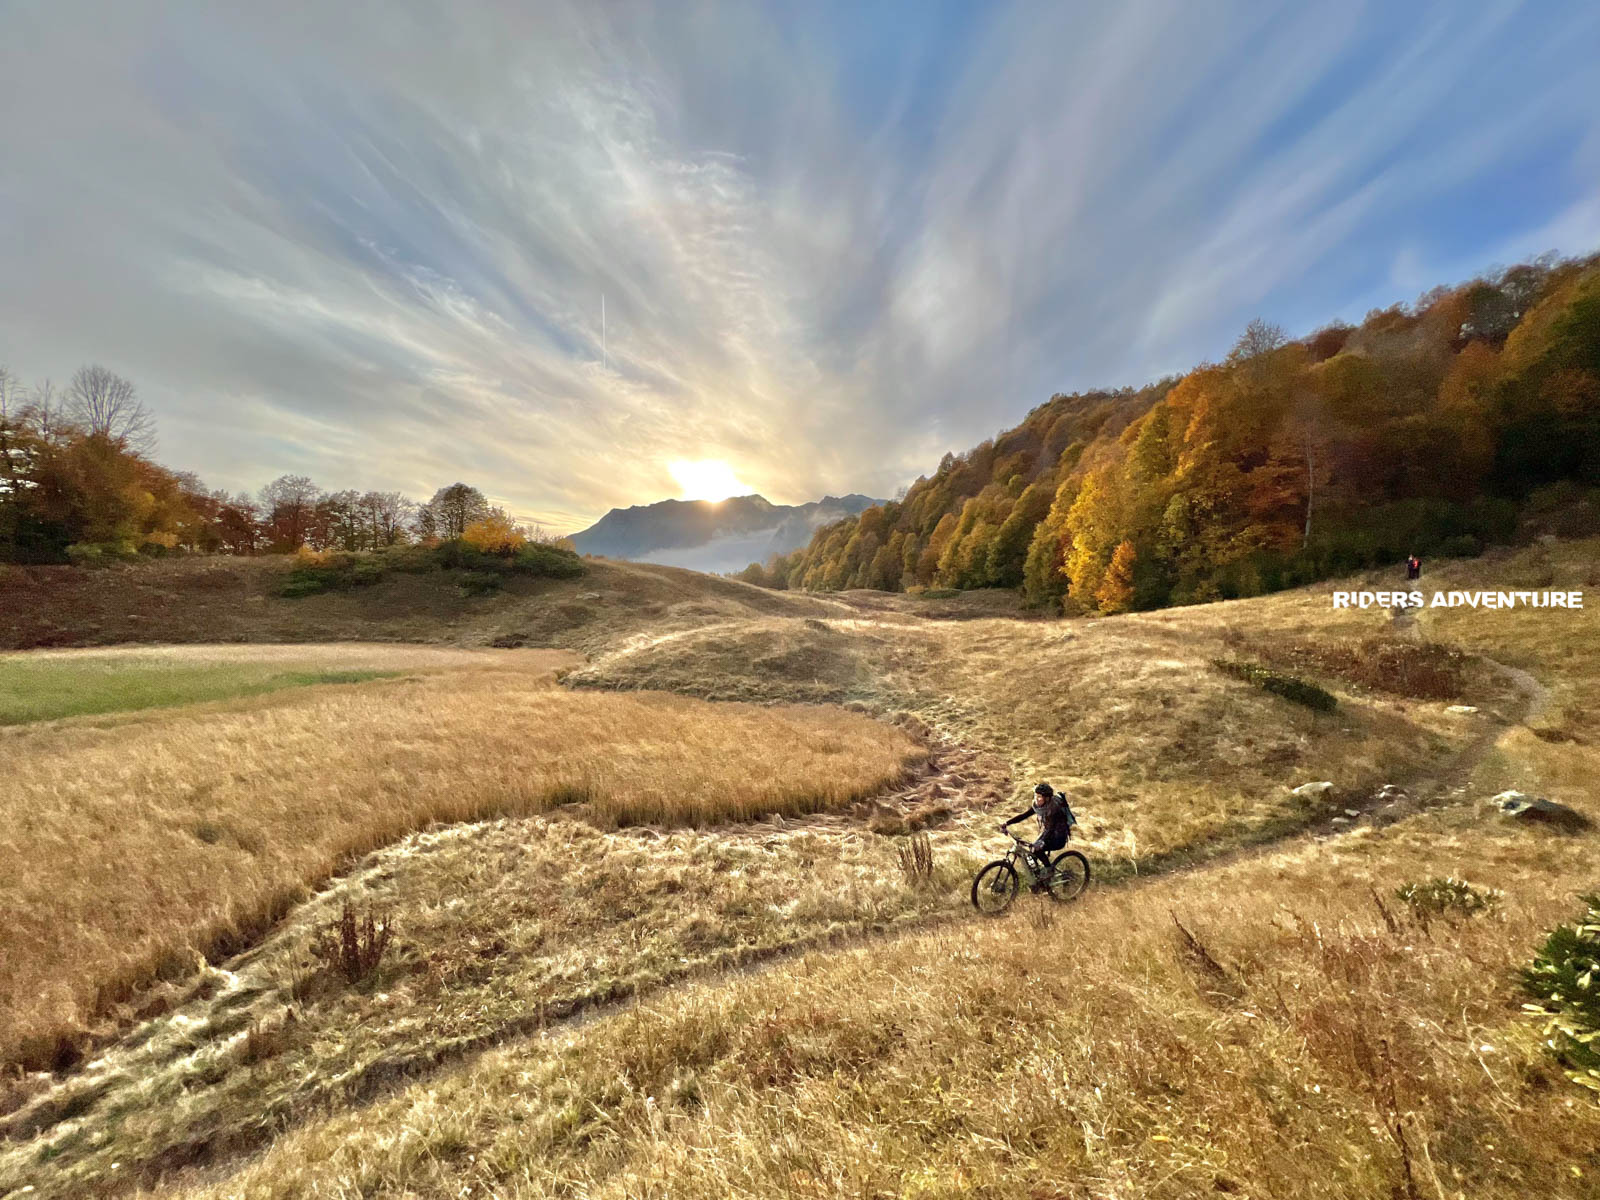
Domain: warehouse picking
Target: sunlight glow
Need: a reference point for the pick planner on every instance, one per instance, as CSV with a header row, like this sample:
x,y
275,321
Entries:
x,y
708,479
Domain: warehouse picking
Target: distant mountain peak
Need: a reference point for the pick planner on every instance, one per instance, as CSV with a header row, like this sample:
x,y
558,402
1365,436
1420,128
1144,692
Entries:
x,y
706,535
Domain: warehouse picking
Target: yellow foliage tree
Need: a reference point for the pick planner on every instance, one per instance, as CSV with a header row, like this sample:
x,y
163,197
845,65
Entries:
x,y
1115,593
495,534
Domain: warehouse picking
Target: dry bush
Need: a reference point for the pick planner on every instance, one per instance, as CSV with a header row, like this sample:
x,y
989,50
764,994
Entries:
x,y
353,946
110,887
915,856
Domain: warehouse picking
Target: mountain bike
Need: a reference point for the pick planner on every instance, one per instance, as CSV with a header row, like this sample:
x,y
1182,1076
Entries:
x,y
997,885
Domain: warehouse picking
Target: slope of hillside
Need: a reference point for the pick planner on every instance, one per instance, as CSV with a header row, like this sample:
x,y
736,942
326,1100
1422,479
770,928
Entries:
x,y
1435,428
237,599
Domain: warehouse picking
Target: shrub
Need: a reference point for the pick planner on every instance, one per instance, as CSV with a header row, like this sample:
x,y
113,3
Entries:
x,y
353,946
303,583
548,561
85,554
1564,981
1447,897
916,859
331,570
1279,684
480,583
495,534
95,554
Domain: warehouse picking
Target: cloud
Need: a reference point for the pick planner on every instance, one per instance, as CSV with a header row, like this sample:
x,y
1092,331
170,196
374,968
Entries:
x,y
368,242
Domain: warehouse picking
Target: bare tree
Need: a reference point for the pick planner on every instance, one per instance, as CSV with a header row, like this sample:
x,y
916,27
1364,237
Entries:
x,y
288,504
451,510
1259,337
108,406
385,514
12,453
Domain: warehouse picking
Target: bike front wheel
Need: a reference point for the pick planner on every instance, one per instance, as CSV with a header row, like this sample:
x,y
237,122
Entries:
x,y
1070,877
994,888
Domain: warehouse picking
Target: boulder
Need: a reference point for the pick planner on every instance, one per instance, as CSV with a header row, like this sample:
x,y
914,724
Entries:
x,y
1312,791
1538,809
1461,708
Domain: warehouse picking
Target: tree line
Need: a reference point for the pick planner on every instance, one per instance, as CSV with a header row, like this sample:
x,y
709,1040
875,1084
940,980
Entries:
x,y
1428,428
78,484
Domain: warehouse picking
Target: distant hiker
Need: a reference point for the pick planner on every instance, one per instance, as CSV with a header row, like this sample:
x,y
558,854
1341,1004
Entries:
x,y
1413,567
1055,822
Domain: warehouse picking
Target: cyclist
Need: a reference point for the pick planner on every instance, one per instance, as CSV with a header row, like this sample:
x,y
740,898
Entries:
x,y
1055,823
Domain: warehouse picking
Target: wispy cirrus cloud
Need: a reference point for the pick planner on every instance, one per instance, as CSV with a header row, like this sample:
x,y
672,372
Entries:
x,y
369,241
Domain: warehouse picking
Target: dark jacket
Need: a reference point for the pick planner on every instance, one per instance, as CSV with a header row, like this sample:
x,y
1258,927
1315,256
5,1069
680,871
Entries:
x,y
1055,815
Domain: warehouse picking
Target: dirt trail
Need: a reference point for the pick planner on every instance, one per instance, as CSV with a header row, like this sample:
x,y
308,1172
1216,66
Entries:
x,y
958,789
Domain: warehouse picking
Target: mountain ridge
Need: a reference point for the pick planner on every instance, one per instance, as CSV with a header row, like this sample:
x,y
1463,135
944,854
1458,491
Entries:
x,y
707,535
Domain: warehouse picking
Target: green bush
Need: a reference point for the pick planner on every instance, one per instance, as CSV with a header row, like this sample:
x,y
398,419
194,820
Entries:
x,y
1564,981
481,573
304,582
1447,897
480,583
98,554
1279,684
337,572
546,561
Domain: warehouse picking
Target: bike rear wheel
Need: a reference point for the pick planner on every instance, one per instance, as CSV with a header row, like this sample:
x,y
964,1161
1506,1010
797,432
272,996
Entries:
x,y
994,888
1070,877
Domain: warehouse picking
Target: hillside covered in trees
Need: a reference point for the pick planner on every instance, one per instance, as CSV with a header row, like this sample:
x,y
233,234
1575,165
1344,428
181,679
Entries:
x,y
1430,428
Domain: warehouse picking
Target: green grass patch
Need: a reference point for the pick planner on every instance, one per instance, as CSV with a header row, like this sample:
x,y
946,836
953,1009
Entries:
x,y
46,689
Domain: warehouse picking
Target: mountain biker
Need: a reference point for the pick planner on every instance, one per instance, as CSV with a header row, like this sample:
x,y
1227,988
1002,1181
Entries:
x,y
1055,822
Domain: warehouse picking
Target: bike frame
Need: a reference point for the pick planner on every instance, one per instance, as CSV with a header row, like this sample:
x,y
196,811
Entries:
x,y
1019,854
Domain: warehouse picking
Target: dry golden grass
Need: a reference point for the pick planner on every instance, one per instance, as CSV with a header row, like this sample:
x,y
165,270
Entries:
x,y
129,841
1167,756
501,926
1304,1043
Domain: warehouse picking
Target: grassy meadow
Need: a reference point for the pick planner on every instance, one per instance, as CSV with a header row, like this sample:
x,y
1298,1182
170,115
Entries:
x,y
49,685
1308,1041
129,843
1243,1005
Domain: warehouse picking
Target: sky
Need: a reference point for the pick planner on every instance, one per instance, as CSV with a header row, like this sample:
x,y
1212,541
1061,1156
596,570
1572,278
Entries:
x,y
370,242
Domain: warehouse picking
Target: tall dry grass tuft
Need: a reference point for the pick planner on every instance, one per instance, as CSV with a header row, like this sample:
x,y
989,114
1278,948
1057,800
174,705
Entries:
x,y
125,847
353,945
915,856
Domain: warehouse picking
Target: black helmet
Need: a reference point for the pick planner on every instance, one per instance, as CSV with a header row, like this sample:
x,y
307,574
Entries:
x,y
1044,789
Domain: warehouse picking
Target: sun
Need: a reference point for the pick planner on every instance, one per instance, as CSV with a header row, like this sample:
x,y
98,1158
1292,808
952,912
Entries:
x,y
708,479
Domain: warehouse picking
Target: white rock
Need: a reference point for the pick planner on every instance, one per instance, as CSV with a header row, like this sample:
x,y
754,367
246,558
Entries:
x,y
1461,708
1312,791
1352,812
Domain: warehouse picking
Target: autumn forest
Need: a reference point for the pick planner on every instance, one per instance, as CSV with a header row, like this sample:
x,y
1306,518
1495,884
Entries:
x,y
1436,428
